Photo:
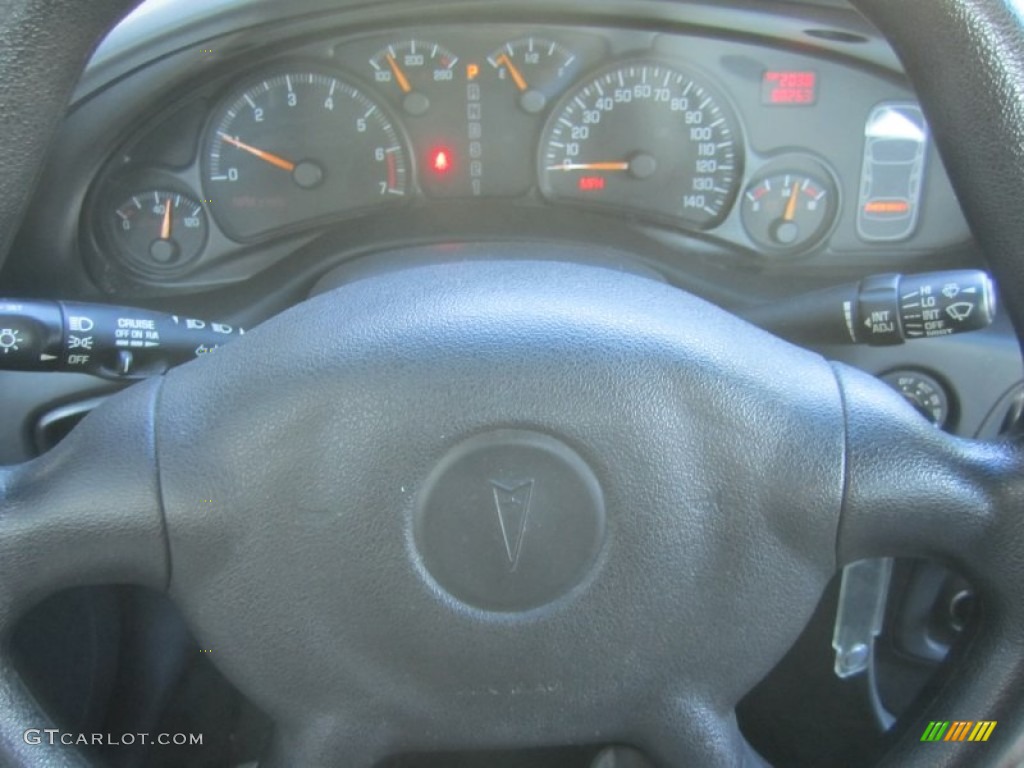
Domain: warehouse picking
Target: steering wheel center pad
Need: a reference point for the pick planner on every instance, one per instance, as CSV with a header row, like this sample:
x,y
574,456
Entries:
x,y
431,472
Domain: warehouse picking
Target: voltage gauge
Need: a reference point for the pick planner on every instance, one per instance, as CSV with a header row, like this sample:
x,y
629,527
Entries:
x,y
789,210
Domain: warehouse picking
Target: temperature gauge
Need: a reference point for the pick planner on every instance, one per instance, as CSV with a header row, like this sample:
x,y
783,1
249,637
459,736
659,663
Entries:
x,y
158,229
413,69
789,211
535,68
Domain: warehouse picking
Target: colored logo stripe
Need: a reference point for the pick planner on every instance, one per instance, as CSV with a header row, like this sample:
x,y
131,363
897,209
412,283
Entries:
x,y
935,731
982,730
958,730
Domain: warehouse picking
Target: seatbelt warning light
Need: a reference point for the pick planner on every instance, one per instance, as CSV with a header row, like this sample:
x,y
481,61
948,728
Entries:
x,y
441,161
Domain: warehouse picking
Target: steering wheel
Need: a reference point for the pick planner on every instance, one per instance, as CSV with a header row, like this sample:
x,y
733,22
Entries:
x,y
525,502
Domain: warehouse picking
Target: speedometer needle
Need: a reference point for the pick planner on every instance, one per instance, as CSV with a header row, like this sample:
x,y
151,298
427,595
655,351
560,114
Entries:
x,y
611,166
276,160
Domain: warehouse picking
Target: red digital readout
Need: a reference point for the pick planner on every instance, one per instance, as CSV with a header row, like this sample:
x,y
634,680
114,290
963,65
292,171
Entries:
x,y
591,183
789,88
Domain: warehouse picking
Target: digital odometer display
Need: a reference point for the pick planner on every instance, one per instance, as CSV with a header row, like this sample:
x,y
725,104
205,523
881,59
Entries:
x,y
789,88
644,136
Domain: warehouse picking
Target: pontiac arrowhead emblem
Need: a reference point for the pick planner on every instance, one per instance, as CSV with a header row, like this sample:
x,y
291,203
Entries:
x,y
513,507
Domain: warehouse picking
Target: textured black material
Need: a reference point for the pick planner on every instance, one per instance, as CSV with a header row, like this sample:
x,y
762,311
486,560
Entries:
x,y
43,46
719,451
85,513
966,61
291,494
916,491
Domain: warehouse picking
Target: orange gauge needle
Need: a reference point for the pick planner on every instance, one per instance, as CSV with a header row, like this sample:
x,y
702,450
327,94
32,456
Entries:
x,y
276,160
403,81
613,166
791,205
165,225
517,76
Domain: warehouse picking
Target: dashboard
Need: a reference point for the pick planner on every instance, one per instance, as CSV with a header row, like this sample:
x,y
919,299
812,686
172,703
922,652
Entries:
x,y
761,155
225,167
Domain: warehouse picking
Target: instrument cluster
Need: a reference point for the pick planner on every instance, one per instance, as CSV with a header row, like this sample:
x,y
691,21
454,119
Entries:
x,y
772,152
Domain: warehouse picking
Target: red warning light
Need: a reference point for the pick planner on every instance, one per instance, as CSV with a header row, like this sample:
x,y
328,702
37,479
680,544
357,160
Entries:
x,y
441,160
591,183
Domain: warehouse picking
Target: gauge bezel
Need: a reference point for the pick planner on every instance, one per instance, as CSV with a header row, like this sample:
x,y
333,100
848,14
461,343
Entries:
x,y
241,82
801,163
115,190
696,74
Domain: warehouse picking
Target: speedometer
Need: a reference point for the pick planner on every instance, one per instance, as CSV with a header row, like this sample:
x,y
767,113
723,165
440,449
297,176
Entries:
x,y
646,137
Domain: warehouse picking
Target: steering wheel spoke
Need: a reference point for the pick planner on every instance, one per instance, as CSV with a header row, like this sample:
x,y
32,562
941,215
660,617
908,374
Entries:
x,y
325,740
689,732
87,512
915,491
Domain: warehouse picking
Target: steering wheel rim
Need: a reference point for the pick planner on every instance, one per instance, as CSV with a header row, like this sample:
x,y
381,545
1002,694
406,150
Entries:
x,y
964,494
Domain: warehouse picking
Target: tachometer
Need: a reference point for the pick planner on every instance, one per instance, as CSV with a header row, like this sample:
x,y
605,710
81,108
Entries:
x,y
299,146
644,136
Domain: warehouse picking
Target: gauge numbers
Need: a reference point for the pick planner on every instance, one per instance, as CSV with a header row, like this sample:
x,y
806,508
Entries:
x,y
534,67
299,146
647,137
789,210
414,68
158,229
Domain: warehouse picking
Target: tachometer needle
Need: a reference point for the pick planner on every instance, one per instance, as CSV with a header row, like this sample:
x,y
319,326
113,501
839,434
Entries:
x,y
790,213
612,166
275,160
165,225
517,76
400,78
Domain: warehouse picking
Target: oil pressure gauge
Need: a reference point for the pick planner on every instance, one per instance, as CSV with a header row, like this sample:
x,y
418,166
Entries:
x,y
789,211
158,229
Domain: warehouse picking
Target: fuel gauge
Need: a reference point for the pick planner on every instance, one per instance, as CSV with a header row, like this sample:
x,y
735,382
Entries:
x,y
534,68
790,210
